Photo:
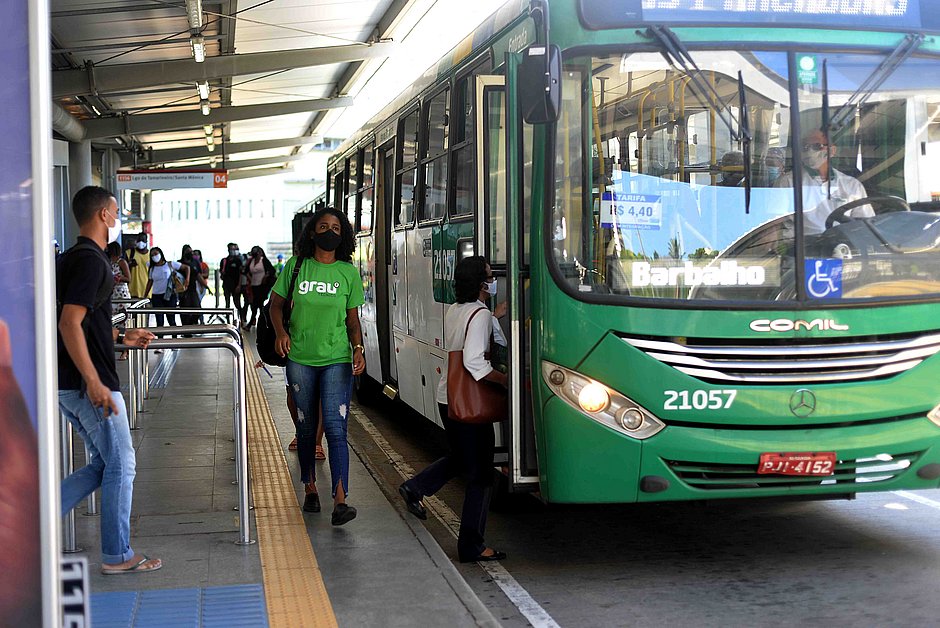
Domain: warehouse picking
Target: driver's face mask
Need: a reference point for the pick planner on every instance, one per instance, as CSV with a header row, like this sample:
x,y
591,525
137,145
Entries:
x,y
814,159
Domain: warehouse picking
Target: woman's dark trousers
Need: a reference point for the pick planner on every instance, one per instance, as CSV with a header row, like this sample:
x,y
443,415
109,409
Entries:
x,y
470,455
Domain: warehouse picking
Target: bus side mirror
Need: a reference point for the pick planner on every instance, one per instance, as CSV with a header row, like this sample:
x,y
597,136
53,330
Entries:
x,y
540,84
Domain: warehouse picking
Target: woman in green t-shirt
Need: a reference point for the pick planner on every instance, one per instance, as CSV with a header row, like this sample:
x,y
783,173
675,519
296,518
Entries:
x,y
323,347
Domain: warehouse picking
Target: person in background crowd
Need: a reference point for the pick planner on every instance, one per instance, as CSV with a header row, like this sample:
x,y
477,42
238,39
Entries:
x,y
161,281
470,446
230,269
280,263
139,263
89,390
324,348
190,298
261,276
122,276
775,163
202,280
732,169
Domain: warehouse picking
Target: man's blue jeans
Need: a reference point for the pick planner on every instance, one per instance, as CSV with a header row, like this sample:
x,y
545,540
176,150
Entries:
x,y
330,385
112,467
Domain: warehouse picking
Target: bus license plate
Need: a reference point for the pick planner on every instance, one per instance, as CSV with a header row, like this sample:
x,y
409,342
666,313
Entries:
x,y
814,463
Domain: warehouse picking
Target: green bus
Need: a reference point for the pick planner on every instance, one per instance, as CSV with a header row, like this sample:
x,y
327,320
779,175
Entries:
x,y
717,227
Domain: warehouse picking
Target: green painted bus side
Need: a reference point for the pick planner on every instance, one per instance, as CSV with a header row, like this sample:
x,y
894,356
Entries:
x,y
703,452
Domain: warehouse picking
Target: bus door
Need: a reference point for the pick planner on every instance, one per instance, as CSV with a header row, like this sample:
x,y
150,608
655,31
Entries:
x,y
385,186
499,229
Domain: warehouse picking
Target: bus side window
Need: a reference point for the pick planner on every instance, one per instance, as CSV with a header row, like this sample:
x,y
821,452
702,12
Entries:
x,y
352,183
366,189
407,170
434,157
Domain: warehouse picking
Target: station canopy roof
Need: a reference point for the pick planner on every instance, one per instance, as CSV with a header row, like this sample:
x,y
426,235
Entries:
x,y
131,76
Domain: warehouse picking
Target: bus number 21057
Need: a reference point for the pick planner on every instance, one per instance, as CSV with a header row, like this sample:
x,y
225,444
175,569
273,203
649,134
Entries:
x,y
699,399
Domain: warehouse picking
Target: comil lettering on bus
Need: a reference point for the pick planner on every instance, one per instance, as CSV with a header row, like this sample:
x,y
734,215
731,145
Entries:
x,y
728,273
787,7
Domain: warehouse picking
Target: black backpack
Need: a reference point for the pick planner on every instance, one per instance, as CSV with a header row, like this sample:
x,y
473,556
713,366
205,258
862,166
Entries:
x,y
265,334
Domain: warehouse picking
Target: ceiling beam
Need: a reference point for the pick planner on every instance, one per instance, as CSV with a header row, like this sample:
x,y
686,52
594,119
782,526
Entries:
x,y
182,154
266,161
101,128
387,23
261,172
181,7
116,78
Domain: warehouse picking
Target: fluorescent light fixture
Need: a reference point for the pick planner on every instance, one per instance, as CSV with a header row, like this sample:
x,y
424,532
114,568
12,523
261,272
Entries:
x,y
203,89
209,129
204,107
210,147
210,140
199,48
194,13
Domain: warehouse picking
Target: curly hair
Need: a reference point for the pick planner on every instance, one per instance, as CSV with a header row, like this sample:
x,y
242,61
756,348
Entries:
x,y
305,246
468,275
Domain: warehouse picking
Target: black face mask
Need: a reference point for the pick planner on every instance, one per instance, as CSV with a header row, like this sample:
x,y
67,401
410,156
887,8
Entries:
x,y
327,240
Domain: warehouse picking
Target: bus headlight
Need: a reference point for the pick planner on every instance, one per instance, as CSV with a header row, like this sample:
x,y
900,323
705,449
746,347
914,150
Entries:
x,y
601,403
593,398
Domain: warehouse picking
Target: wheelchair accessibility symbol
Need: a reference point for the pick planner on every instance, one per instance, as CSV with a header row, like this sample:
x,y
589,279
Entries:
x,y
824,278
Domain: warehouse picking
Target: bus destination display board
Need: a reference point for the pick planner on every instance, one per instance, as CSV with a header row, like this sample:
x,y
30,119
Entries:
x,y
876,14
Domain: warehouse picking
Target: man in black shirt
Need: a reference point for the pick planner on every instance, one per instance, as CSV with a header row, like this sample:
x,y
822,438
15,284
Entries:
x,y
231,269
89,391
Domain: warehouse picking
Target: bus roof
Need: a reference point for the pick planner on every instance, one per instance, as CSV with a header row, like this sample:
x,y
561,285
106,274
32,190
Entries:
x,y
467,49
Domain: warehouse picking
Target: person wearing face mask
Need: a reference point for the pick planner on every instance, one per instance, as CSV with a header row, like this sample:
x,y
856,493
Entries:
x,y
468,326
824,188
261,276
774,164
139,263
161,281
230,270
190,298
89,390
323,345
202,276
732,169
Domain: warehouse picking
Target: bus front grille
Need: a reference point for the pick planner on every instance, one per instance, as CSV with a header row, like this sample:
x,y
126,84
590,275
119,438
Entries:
x,y
791,361
712,476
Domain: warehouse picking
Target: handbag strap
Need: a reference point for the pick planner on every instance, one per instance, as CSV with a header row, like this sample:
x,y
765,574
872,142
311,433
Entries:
x,y
467,329
290,291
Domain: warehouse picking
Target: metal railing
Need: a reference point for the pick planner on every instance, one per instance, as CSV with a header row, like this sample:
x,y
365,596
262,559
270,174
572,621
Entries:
x,y
240,419
139,363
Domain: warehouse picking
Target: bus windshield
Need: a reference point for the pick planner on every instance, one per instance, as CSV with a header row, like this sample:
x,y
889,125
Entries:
x,y
660,195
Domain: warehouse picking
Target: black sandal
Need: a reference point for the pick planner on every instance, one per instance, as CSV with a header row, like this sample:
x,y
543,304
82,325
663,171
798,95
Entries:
x,y
482,558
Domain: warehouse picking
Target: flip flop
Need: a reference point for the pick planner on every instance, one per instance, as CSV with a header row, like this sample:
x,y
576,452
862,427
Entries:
x,y
141,566
319,455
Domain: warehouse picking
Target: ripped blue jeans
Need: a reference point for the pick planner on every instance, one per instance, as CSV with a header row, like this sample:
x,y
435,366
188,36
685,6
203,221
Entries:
x,y
330,387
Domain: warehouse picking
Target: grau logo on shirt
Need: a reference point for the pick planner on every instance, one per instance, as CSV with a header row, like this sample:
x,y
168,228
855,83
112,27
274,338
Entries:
x,y
319,287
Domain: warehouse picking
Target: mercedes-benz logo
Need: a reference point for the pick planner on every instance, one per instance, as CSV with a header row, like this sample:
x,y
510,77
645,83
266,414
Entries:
x,y
802,403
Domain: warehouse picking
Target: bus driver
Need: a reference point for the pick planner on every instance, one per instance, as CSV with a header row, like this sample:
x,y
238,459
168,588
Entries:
x,y
817,204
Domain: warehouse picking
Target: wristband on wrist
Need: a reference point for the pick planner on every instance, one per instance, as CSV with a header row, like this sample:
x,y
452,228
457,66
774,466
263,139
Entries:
x,y
363,349
120,339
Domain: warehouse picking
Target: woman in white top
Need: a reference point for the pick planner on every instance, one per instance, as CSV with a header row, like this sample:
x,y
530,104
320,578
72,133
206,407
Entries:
x,y
261,276
164,292
470,445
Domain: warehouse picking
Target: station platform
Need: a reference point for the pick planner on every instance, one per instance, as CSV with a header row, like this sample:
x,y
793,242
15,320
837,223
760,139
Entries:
x,y
381,569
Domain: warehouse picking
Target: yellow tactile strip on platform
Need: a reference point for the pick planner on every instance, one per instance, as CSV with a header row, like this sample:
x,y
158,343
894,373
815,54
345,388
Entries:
x,y
293,584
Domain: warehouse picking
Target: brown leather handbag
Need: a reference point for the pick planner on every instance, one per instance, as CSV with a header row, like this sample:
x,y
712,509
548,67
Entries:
x,y
469,400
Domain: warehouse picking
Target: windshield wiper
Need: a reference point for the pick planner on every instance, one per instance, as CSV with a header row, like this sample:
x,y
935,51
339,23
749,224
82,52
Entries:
x,y
678,56
745,140
871,84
